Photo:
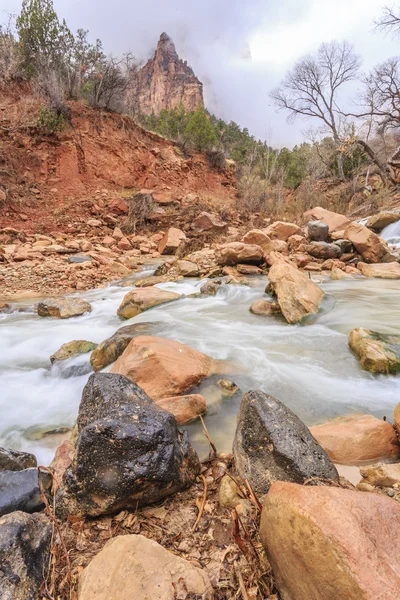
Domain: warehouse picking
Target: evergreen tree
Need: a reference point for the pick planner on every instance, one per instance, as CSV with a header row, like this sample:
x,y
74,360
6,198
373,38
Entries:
x,y
199,131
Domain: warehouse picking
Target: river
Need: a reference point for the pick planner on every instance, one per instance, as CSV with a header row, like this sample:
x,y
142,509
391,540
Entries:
x,y
309,367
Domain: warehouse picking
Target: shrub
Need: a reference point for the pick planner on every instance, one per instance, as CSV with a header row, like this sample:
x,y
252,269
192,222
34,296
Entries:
x,y
216,158
140,208
50,122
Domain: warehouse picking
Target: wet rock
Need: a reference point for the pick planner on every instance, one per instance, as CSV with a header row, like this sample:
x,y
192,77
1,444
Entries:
x,y
129,451
265,308
5,307
338,274
152,280
335,221
187,268
11,460
366,242
397,418
271,443
24,554
62,459
324,250
71,349
236,253
382,270
184,408
383,219
63,308
209,222
75,371
298,296
282,231
210,288
19,490
133,566
381,475
143,299
377,352
356,438
325,543
228,387
108,351
171,241
163,367
318,231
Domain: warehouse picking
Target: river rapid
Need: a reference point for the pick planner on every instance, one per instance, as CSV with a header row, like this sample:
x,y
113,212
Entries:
x,y
308,367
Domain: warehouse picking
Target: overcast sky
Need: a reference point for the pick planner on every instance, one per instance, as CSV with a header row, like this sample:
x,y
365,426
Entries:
x,y
240,49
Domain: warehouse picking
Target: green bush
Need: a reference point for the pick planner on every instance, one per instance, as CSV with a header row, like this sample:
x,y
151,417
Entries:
x,y
50,122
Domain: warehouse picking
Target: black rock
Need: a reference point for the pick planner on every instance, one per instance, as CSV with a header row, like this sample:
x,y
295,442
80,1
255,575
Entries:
x,y
11,460
75,371
271,443
24,554
129,451
318,231
19,490
324,250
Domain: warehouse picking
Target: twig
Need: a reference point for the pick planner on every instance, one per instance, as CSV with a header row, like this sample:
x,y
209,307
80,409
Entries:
x,y
214,449
241,583
236,533
253,496
202,503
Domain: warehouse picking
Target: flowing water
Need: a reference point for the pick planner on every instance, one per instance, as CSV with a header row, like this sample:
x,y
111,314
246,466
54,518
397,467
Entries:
x,y
309,367
391,234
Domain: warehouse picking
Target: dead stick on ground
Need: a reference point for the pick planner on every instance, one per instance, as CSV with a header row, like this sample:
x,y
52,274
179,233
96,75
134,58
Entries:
x,y
202,503
209,439
242,587
253,496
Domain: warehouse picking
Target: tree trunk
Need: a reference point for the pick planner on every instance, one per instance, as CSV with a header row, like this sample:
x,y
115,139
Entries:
x,y
383,168
340,166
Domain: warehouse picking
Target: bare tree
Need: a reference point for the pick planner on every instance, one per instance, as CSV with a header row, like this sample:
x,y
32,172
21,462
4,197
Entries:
x,y
311,89
390,20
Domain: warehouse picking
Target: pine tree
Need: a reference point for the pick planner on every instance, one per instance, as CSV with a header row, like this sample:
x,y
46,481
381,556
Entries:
x,y
199,132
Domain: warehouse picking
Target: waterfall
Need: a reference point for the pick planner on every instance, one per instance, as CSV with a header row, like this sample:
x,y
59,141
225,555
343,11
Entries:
x,y
391,234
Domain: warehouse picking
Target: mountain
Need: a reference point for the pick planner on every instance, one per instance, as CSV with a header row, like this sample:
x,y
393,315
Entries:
x,y
167,81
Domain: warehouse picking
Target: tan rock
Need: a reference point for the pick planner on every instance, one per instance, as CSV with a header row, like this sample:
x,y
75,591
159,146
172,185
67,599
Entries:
x,y
381,475
282,230
337,274
162,367
94,223
383,219
184,408
229,493
366,242
357,438
397,418
327,543
117,234
71,349
258,237
236,253
171,241
265,308
275,257
298,296
335,221
63,308
382,270
378,353
249,270
62,460
124,244
209,222
187,268
296,240
133,567
138,301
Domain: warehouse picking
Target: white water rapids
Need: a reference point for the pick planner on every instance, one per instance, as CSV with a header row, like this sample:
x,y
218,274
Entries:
x,y
309,367
391,234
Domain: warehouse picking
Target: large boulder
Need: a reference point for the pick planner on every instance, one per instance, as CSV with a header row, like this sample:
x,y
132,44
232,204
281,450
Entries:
x,y
129,451
19,490
355,439
298,296
171,241
271,443
236,253
366,242
163,367
389,270
326,543
383,219
209,222
24,554
282,231
71,349
335,221
324,250
134,567
108,351
184,408
377,352
63,308
258,237
318,231
11,460
137,301
186,268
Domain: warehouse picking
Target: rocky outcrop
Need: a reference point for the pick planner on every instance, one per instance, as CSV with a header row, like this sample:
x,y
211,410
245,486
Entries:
x,y
389,270
129,451
271,443
378,352
184,408
63,308
133,566
71,349
236,253
138,301
325,543
24,554
354,439
166,81
298,296
162,367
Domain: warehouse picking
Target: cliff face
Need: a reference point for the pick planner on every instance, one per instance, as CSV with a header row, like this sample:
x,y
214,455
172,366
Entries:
x,y
167,81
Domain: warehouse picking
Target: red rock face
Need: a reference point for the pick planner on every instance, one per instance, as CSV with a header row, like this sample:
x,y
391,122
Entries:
x,y
166,81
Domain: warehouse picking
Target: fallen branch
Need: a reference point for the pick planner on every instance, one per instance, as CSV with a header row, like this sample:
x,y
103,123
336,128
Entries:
x,y
253,496
214,449
201,509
